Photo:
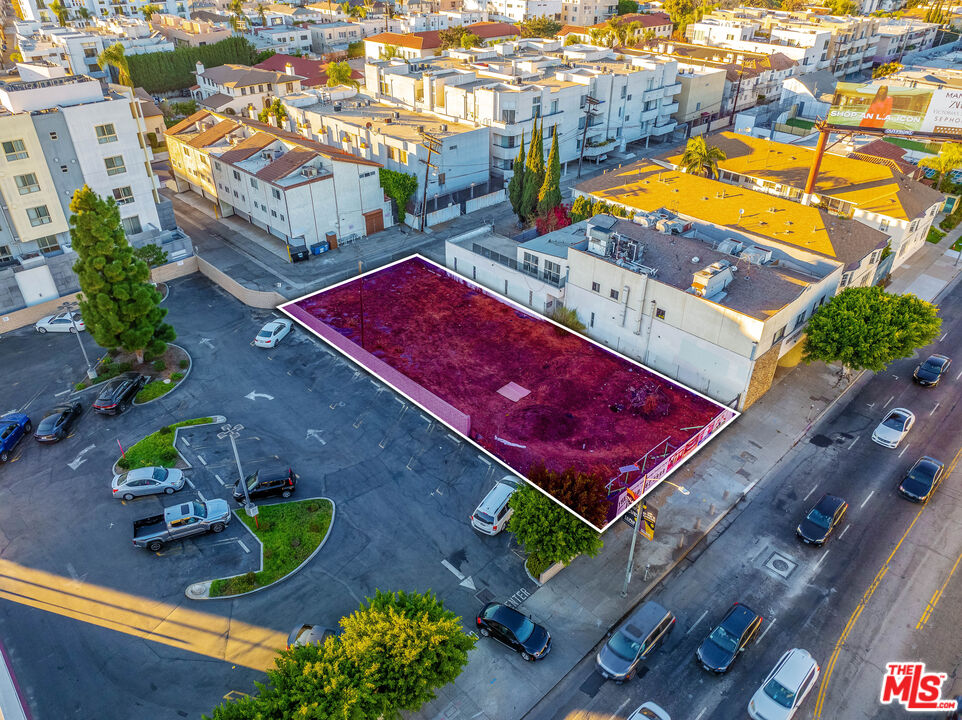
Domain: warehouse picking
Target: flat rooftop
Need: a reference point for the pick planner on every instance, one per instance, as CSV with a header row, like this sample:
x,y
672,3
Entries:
x,y
404,126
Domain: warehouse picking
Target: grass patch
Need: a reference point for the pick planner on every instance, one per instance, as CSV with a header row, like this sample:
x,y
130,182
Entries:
x,y
536,566
934,236
153,390
907,144
157,448
290,532
957,245
800,123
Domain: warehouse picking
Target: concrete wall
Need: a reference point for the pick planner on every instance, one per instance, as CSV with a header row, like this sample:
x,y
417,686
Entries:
x,y
252,298
535,294
30,315
485,201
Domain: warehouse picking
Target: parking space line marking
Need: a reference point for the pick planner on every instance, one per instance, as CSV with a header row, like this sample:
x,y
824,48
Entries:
x,y
218,479
484,460
844,530
854,441
943,337
615,714
697,621
64,392
201,458
824,555
201,496
958,376
814,487
241,543
703,711
192,486
867,498
889,401
765,631
903,451
932,411
186,442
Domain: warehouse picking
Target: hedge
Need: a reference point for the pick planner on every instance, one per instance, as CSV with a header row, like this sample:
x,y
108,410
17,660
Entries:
x,y
167,71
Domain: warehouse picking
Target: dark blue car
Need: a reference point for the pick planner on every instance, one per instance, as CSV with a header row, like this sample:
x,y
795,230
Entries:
x,y
13,428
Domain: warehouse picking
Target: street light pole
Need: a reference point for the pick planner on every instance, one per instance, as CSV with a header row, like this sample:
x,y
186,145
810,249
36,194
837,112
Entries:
x,y
631,553
69,307
233,433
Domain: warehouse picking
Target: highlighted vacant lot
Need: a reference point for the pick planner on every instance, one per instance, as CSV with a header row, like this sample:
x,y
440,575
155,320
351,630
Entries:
x,y
519,386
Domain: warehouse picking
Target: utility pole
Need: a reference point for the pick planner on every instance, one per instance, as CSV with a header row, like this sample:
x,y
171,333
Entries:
x,y
590,103
433,145
738,89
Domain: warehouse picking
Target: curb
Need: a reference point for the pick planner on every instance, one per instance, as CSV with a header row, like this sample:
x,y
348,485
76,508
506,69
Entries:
x,y
176,385
200,590
214,419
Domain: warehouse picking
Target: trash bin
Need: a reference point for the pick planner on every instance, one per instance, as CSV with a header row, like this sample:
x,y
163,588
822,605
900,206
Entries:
x,y
299,253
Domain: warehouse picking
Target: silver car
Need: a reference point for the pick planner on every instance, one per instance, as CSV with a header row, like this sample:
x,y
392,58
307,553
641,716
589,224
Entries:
x,y
147,481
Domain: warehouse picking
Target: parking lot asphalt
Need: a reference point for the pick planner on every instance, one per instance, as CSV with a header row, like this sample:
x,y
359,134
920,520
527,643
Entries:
x,y
98,628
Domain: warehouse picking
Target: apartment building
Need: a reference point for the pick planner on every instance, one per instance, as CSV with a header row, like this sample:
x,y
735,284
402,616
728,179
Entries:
x,y
701,97
57,135
277,14
394,138
312,72
750,77
657,24
521,10
328,11
427,44
188,33
300,191
40,11
285,39
337,35
587,12
593,101
843,45
235,88
898,36
700,304
875,194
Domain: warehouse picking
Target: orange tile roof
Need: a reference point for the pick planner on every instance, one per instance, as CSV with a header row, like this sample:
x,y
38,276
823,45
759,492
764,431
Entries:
x,y
186,122
286,164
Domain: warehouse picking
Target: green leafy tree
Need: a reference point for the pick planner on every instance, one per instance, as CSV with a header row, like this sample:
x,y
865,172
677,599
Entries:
x,y
60,12
261,14
866,328
516,183
114,57
627,7
572,39
470,40
389,51
275,110
84,14
339,73
542,27
886,69
533,175
701,158
679,10
451,37
549,197
149,11
120,308
948,159
356,49
548,531
400,187
151,254
581,208
792,5
842,7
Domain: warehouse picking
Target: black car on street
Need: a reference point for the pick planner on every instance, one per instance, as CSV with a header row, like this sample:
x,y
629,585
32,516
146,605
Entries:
x,y
828,512
731,637
118,393
923,479
514,629
261,484
57,423
931,371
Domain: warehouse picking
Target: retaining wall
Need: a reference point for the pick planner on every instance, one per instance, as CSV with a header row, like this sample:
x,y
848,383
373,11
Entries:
x,y
253,298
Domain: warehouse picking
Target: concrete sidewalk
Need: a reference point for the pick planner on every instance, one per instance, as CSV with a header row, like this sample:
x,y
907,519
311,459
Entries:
x,y
581,603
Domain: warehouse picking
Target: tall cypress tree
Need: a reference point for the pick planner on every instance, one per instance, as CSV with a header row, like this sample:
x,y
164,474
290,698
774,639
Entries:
x,y
516,183
533,175
550,195
119,307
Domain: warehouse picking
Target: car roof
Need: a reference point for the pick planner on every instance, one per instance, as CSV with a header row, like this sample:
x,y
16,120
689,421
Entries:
x,y
643,620
900,411
506,615
937,356
495,497
926,460
144,472
12,417
795,668
739,617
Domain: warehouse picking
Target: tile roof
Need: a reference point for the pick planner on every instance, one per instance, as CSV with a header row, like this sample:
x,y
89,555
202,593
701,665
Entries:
x,y
215,101
649,187
212,135
243,75
247,147
879,151
487,30
429,40
286,164
187,122
313,71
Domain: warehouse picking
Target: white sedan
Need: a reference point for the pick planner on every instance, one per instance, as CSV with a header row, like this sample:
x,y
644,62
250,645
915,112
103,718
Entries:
x,y
61,322
894,427
649,711
785,688
272,333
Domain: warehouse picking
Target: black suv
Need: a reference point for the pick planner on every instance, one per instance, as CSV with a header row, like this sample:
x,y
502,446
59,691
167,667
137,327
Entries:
x,y
514,629
118,393
732,635
267,483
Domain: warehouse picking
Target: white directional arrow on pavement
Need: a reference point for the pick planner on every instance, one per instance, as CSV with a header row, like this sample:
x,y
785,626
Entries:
x,y
80,459
207,342
317,435
466,582
254,395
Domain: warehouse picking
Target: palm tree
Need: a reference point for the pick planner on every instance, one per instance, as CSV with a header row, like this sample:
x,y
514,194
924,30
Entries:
x,y
237,18
148,10
113,56
60,11
339,73
84,14
260,14
948,159
629,32
702,159
597,36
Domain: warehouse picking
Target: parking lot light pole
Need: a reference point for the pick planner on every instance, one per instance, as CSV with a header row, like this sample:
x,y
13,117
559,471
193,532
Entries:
x,y
233,433
631,553
69,307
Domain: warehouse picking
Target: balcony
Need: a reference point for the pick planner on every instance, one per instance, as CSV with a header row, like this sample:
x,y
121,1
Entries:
x,y
552,279
668,109
595,149
671,90
667,127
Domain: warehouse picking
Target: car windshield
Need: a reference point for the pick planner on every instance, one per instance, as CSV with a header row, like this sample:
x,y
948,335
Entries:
x,y
524,630
932,365
779,693
896,422
724,639
160,474
122,479
819,518
623,646
199,510
48,423
923,471
252,481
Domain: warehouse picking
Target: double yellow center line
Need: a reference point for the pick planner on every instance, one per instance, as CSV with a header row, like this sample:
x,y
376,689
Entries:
x,y
830,665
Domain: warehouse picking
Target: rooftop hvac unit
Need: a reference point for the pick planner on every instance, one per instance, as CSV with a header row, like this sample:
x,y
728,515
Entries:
x,y
309,172
396,115
730,246
268,154
756,255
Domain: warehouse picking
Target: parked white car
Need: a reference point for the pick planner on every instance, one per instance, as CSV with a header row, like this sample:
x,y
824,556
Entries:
x,y
894,427
272,333
493,514
785,688
61,322
649,711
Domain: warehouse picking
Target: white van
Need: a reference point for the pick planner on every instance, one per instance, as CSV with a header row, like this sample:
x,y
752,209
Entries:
x,y
492,515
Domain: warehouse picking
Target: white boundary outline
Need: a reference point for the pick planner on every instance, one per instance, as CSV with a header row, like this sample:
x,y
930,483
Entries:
x,y
537,316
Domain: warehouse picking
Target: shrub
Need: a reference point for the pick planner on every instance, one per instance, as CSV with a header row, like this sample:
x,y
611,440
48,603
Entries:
x,y
177,377
159,365
166,430
934,236
80,385
184,364
168,454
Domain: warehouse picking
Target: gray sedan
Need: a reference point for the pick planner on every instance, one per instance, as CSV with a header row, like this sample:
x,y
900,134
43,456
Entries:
x,y
147,481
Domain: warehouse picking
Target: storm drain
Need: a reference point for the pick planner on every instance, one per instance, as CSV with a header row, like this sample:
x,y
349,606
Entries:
x,y
781,565
484,595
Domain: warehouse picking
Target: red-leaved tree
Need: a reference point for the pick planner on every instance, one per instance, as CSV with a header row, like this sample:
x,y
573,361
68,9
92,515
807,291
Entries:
x,y
555,219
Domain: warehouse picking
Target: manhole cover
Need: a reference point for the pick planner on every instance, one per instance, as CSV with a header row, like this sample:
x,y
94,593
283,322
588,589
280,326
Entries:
x,y
484,595
780,564
592,685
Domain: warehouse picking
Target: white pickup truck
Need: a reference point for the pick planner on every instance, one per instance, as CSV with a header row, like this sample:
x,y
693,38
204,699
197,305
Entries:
x,y
181,521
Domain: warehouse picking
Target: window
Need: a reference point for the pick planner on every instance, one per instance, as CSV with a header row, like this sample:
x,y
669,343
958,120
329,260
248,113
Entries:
x,y
554,106
552,272
115,165
53,136
64,169
131,225
253,183
845,280
217,166
27,184
800,320
779,335
536,107
236,175
591,322
530,264
48,244
595,287
5,253
883,225
659,313
123,195
613,294
624,91
243,91
282,218
15,150
38,215
273,213
106,133
276,193
507,117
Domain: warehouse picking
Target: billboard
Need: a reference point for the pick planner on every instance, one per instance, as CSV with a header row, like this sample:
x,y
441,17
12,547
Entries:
x,y
896,110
